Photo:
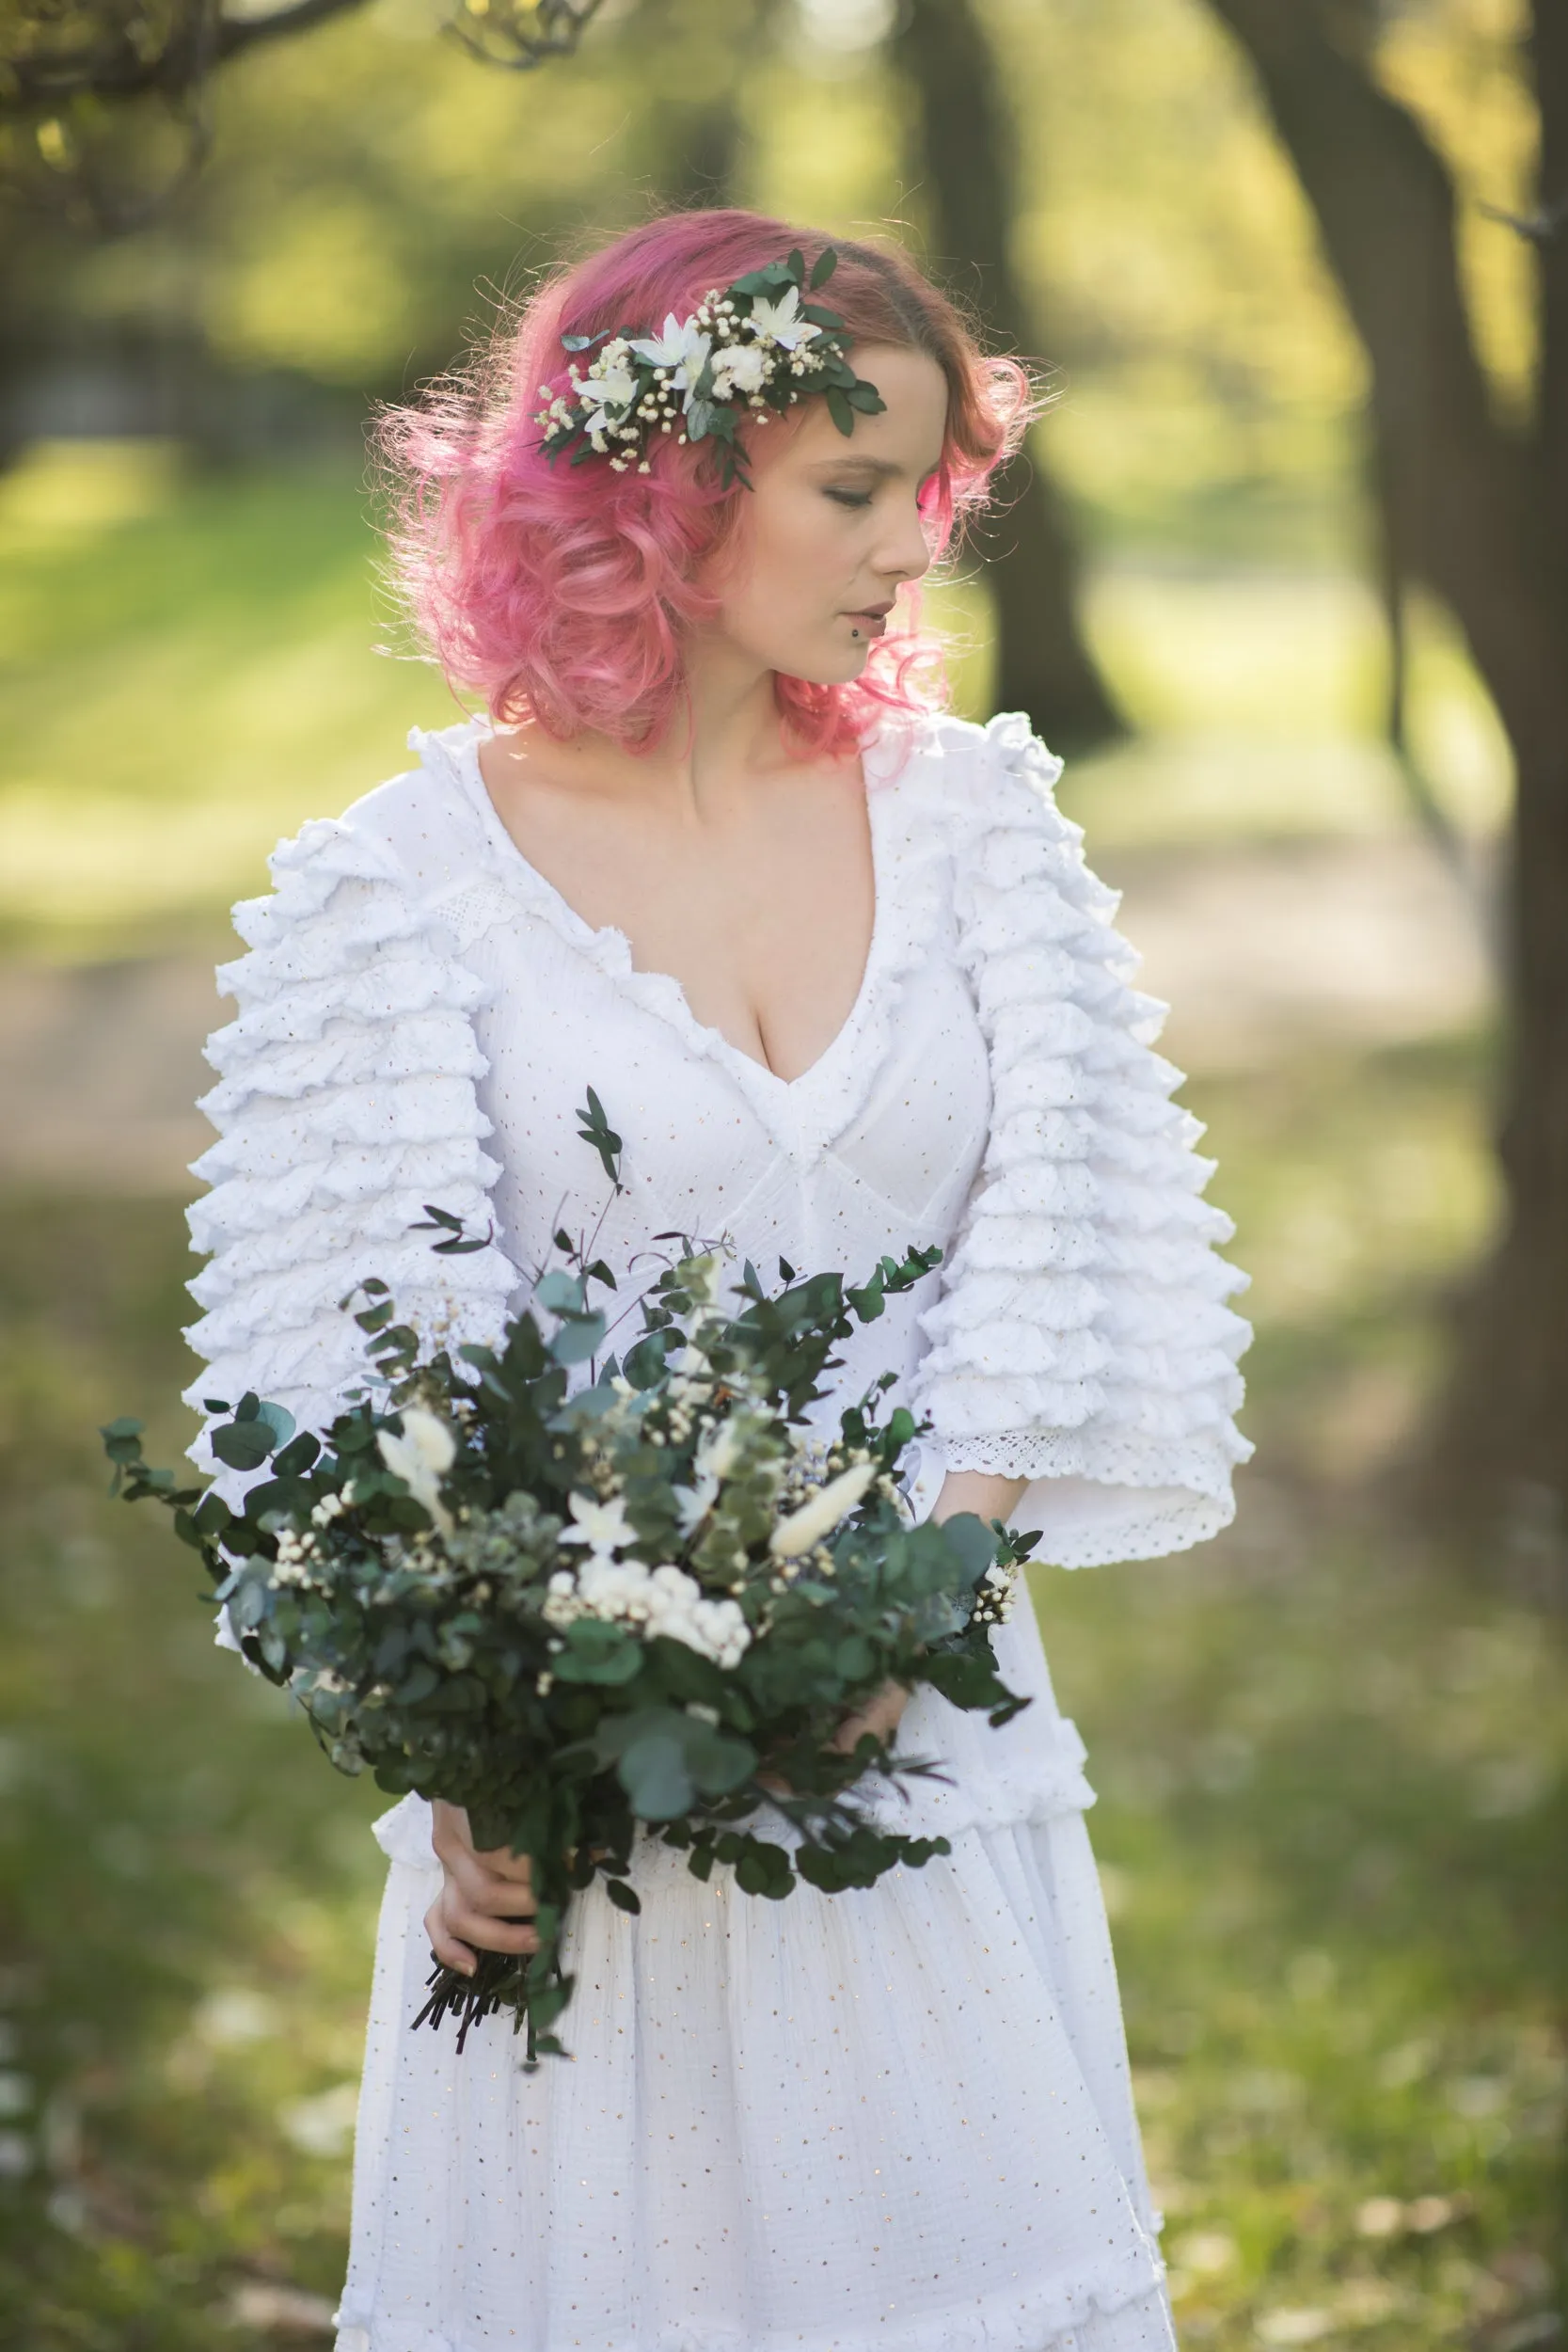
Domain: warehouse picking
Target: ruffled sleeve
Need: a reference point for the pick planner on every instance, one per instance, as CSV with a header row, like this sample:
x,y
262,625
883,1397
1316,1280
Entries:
x,y
1081,1337
346,1101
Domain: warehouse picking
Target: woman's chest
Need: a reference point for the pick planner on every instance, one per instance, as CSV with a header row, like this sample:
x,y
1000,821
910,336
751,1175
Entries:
x,y
763,910
875,1146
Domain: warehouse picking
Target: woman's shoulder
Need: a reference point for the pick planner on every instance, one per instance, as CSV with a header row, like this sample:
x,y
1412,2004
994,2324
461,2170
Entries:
x,y
1014,861
386,864
988,790
971,770
423,827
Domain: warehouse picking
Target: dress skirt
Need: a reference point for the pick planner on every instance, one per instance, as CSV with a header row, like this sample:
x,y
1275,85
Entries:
x,y
894,2118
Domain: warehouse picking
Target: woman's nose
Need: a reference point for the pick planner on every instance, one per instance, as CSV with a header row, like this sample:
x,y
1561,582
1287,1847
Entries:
x,y
907,554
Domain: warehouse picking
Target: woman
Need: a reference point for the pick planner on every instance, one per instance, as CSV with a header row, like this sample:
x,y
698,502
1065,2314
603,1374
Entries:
x,y
836,968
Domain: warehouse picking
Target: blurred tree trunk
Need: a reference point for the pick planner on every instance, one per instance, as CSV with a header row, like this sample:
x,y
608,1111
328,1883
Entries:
x,y
693,124
1482,515
967,158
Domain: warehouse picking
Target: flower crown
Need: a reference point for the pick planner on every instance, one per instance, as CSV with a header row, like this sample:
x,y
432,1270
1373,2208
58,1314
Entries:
x,y
754,348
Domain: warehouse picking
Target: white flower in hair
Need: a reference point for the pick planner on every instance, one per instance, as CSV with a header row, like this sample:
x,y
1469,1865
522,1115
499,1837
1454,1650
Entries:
x,y
608,394
683,349
782,320
739,367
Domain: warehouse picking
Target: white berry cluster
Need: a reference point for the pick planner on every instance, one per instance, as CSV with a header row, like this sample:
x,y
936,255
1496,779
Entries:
x,y
993,1596
301,1559
297,1559
662,1600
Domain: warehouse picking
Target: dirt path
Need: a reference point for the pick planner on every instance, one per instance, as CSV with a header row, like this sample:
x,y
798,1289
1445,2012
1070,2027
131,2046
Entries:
x,y
1259,951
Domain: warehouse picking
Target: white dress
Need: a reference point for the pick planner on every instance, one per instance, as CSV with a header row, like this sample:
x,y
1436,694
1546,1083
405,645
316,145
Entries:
x,y
895,2120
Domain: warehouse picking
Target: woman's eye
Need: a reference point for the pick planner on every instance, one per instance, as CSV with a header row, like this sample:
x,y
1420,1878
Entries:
x,y
850,497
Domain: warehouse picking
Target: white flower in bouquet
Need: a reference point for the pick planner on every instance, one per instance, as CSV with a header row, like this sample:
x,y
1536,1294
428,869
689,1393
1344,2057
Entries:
x,y
822,1514
994,1594
421,1456
563,1602
695,1501
715,1456
720,1450
604,1527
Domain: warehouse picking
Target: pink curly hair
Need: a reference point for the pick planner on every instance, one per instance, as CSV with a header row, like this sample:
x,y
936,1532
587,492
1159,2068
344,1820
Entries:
x,y
564,595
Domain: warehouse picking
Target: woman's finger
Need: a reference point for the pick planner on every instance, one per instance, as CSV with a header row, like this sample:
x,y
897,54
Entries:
x,y
448,1950
451,1835
483,1890
463,1860
502,1863
499,1898
488,1932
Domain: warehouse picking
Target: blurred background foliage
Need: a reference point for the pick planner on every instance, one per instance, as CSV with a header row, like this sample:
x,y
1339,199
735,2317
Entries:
x,y
1330,1754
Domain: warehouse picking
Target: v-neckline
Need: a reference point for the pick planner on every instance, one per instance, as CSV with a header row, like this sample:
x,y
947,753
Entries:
x,y
609,946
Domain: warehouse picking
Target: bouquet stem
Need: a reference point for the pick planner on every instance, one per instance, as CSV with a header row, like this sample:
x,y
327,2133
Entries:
x,y
499,1981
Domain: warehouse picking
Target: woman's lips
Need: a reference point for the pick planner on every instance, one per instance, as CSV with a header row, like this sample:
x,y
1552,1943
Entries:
x,y
868,624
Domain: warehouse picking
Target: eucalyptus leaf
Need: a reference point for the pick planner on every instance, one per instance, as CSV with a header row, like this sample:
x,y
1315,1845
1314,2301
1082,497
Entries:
x,y
653,1772
243,1445
578,1339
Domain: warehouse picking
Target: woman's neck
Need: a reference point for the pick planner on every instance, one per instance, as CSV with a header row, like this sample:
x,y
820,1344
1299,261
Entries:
x,y
725,738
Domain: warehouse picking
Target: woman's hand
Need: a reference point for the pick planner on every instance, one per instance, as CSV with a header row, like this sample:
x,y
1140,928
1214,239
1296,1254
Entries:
x,y
485,1898
961,1490
881,1714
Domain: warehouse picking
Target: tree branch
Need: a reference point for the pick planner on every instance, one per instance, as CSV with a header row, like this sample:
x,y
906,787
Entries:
x,y
243,32
113,63
117,62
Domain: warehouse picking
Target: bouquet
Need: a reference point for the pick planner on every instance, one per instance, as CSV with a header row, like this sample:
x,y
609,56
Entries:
x,y
637,1602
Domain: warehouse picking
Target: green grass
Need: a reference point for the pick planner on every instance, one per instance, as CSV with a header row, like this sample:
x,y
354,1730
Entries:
x,y
1332,1790
188,1891
189,670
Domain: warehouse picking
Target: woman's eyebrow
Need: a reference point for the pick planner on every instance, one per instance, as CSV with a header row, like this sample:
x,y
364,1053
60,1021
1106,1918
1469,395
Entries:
x,y
883,468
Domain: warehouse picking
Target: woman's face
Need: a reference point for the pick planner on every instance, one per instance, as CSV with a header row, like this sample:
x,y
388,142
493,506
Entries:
x,y
831,529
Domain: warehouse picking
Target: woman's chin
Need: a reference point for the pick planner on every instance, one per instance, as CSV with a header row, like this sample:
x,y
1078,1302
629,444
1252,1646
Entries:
x,y
840,667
